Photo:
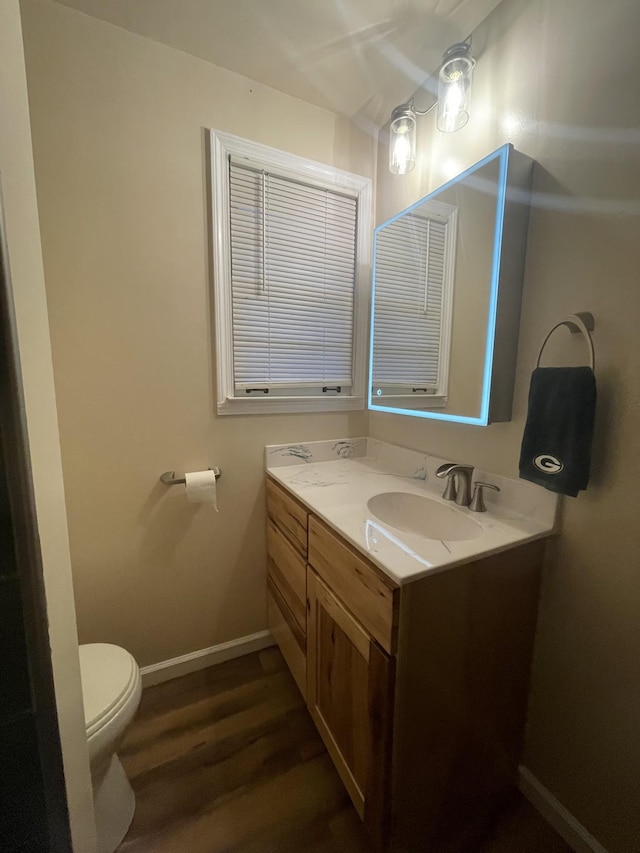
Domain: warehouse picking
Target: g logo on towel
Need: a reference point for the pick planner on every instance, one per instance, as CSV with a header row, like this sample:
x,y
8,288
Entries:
x,y
548,464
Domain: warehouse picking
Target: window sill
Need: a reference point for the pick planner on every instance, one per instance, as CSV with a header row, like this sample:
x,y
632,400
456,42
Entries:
x,y
288,405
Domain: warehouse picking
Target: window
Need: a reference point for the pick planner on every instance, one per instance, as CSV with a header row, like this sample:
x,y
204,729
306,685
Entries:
x,y
291,269
413,305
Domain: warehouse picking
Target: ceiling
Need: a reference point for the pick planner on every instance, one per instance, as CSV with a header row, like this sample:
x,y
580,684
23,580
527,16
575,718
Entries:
x,y
355,57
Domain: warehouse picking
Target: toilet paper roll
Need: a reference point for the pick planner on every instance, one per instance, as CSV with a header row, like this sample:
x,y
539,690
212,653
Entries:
x,y
200,487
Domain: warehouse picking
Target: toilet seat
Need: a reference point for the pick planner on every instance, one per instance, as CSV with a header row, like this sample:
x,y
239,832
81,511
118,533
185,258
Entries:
x,y
111,688
109,677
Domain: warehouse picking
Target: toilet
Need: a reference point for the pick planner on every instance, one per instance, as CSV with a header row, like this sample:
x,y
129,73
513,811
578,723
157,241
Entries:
x,y
111,689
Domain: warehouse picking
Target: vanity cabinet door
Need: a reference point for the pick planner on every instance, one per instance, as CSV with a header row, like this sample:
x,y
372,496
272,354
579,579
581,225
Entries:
x,y
350,697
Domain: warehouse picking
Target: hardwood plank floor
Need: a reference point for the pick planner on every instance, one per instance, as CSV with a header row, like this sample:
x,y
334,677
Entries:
x,y
227,760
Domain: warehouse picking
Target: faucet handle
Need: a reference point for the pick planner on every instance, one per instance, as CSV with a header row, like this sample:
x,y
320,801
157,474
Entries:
x,y
477,501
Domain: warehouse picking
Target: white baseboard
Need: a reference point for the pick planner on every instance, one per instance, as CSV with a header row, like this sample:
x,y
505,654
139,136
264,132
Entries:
x,y
552,810
156,673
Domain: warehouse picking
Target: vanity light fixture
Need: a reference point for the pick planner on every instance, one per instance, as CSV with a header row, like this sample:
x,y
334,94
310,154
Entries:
x,y
454,87
402,142
454,95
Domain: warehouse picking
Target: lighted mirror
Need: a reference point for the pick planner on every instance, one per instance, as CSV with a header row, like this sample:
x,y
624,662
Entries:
x,y
446,296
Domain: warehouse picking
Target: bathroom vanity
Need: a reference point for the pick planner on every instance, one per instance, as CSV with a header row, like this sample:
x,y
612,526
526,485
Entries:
x,y
413,653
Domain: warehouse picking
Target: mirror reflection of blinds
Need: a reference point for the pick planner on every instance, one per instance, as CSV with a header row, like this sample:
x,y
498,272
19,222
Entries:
x,y
408,316
293,280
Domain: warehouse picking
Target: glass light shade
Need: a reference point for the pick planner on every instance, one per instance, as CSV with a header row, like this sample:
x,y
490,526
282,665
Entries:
x,y
454,88
402,141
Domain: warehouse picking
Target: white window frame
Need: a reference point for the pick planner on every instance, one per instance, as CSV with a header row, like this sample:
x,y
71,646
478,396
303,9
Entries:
x,y
222,146
397,395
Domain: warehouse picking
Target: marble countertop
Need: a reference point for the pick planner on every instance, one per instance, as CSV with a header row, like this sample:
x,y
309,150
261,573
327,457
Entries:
x,y
335,479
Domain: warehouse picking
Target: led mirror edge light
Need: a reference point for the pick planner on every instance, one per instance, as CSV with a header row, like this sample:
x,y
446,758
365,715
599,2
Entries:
x,y
432,416
485,404
483,419
372,320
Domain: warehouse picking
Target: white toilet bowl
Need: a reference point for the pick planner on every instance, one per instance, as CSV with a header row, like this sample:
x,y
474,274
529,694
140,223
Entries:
x,y
111,689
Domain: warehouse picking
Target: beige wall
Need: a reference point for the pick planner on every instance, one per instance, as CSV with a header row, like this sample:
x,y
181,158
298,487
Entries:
x,y
25,260
118,143
559,80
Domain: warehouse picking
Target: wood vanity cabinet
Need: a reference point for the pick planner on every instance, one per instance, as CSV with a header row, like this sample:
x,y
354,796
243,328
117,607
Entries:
x,y
287,578
419,692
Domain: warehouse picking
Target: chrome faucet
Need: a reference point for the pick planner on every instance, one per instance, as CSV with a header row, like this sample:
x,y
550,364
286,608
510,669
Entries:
x,y
458,486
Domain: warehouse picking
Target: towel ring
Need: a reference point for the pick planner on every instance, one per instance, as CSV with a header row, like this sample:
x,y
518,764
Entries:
x,y
581,322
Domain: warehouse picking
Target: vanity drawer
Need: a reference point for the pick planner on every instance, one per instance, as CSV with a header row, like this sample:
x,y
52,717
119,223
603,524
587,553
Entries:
x,y
287,635
289,515
288,571
373,599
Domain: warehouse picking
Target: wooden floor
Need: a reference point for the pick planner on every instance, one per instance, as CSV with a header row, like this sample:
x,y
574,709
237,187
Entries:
x,y
227,760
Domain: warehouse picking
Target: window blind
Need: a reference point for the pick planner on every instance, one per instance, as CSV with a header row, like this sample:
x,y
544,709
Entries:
x,y
410,255
293,264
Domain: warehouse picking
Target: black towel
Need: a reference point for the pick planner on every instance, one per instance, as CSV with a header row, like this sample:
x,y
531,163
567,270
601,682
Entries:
x,y
556,446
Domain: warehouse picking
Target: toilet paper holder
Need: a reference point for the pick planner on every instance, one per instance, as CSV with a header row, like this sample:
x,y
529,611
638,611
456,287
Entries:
x,y
169,477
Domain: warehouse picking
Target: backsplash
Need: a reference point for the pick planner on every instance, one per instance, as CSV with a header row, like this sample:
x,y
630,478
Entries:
x,y
315,451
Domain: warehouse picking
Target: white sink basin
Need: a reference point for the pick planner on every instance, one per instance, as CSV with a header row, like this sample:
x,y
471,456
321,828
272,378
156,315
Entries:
x,y
423,516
